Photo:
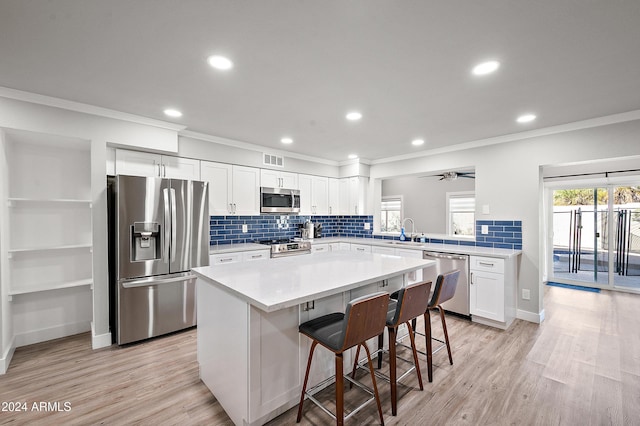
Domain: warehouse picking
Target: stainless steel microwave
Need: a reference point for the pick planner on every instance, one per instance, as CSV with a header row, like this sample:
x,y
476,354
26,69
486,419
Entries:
x,y
279,200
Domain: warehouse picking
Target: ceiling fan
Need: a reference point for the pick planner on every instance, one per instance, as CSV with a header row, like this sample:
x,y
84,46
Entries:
x,y
456,175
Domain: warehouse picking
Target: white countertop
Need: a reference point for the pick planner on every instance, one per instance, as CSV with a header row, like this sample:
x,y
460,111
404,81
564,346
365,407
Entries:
x,y
446,248
288,281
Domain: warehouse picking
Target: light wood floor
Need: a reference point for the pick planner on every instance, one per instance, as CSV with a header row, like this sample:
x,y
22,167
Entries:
x,y
580,367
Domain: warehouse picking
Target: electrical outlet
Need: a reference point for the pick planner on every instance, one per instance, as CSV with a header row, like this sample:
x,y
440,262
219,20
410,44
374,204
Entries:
x,y
484,229
526,294
367,226
245,228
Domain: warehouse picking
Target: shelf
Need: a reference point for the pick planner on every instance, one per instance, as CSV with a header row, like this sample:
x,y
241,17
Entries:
x,y
52,248
48,200
60,286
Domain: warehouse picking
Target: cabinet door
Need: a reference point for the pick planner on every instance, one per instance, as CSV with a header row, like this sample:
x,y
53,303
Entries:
x,y
343,196
180,168
486,295
414,276
219,177
383,250
334,196
136,163
224,258
270,178
289,180
305,185
246,191
320,195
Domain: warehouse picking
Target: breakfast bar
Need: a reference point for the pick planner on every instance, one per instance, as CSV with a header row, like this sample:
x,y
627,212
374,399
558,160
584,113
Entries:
x,y
250,353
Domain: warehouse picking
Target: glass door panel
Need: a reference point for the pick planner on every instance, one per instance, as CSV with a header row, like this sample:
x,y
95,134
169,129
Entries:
x,y
580,236
626,249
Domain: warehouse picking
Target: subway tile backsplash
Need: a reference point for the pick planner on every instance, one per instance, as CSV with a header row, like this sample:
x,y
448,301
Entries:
x,y
505,234
228,229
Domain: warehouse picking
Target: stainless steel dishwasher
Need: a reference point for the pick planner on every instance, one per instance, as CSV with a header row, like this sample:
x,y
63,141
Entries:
x,y
446,262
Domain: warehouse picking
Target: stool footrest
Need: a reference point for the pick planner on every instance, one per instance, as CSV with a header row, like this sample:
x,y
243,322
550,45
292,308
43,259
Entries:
x,y
323,384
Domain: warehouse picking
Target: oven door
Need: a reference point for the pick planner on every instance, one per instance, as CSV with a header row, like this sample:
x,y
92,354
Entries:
x,y
279,200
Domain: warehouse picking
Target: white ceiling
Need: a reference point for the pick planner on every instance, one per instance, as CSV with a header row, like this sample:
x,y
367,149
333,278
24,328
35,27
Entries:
x,y
300,65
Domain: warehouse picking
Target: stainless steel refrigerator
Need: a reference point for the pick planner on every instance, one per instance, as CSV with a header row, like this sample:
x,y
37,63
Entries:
x,y
158,231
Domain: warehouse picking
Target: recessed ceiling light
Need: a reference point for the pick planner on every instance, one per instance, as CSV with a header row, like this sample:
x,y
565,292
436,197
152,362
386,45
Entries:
x,y
486,68
353,156
526,118
220,62
286,140
417,142
354,116
172,113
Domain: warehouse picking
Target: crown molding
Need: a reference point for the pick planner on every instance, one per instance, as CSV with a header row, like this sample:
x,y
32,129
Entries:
x,y
35,98
254,147
513,137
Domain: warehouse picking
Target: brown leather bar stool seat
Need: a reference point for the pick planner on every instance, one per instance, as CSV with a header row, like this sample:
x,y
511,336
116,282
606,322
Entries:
x,y
364,318
410,302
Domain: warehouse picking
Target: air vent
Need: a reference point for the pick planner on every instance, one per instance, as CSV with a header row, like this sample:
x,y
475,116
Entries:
x,y
273,160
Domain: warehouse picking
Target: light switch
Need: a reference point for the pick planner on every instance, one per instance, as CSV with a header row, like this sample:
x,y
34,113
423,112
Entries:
x,y
484,229
245,228
485,209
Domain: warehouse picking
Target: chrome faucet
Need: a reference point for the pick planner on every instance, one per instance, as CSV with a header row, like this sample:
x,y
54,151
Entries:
x,y
413,227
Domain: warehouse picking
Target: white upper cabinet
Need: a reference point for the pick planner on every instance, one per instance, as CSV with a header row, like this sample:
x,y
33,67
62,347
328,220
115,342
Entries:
x,y
314,195
232,189
278,179
352,195
137,163
334,196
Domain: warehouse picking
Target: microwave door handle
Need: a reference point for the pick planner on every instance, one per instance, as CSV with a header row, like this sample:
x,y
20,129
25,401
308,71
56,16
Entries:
x,y
167,219
293,200
173,224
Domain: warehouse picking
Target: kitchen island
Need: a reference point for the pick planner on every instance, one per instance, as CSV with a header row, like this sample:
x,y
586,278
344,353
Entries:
x,y
250,353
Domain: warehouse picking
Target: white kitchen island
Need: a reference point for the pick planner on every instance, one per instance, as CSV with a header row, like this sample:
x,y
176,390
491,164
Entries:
x,y
250,353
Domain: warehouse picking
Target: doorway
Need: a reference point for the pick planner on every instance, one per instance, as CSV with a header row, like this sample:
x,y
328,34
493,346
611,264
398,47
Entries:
x,y
594,237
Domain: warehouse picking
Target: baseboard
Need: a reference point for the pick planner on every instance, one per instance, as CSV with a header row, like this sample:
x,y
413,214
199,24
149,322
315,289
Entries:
x,y
6,357
100,340
42,335
531,316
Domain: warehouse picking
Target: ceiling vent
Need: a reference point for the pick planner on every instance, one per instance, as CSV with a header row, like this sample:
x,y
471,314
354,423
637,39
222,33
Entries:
x,y
273,160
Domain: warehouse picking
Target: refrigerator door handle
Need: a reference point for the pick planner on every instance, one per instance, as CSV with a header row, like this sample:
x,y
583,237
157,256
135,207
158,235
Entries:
x,y
173,225
167,231
145,282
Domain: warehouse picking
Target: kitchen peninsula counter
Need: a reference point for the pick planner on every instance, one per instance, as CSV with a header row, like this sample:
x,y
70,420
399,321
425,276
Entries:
x,y
250,353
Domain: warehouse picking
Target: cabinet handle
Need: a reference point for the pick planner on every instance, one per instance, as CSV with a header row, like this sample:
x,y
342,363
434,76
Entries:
x,y
471,278
235,208
487,264
228,259
385,283
330,210
256,256
359,249
310,305
159,174
230,208
164,170
356,209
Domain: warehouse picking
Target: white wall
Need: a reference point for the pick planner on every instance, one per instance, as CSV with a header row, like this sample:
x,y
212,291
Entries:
x,y
425,199
508,180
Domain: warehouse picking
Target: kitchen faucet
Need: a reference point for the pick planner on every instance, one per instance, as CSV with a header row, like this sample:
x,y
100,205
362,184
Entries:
x,y
413,227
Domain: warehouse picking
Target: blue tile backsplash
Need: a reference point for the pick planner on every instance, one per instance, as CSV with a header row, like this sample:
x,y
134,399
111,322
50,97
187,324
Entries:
x,y
505,234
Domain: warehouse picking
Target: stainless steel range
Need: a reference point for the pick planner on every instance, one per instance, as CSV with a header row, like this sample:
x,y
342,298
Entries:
x,y
287,247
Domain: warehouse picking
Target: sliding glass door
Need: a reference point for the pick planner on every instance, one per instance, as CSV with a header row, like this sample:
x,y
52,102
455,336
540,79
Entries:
x,y
595,236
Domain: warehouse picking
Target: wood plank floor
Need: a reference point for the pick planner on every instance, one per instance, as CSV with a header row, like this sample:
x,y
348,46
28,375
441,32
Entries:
x,y
580,367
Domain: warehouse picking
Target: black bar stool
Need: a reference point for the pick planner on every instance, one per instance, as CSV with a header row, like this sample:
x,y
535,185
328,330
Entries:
x,y
363,319
410,302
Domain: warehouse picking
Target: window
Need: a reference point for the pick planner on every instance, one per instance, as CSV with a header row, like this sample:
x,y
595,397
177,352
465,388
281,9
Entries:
x,y
461,212
391,214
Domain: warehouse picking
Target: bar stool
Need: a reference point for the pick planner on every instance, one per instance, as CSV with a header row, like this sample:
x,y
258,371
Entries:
x,y
363,319
410,303
444,290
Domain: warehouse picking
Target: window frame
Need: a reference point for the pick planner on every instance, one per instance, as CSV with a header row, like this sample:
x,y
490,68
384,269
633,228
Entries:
x,y
454,195
392,197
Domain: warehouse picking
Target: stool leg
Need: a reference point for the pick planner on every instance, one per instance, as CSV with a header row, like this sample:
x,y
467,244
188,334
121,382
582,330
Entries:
x,y
446,335
412,337
427,334
380,344
339,390
355,366
373,380
306,378
392,370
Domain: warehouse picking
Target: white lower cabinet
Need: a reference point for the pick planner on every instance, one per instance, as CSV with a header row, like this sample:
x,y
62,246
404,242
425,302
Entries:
x,y
492,290
315,248
238,256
